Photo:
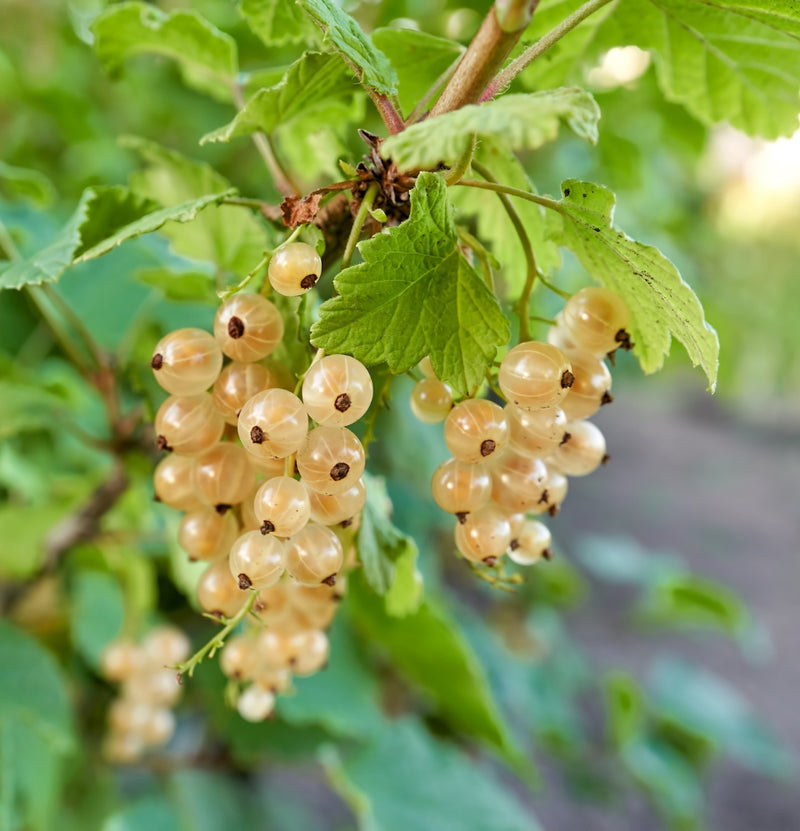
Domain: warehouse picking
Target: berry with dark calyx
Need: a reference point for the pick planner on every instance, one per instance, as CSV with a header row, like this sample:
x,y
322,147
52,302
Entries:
x,y
331,460
256,561
273,424
535,433
535,375
186,361
484,535
223,475
248,327
594,316
281,506
255,703
591,387
314,555
207,534
188,425
583,453
330,509
337,390
475,430
518,481
237,659
460,487
218,591
294,269
531,544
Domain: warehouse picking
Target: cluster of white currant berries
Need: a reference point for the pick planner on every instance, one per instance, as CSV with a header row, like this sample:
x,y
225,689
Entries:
x,y
264,498
141,717
511,462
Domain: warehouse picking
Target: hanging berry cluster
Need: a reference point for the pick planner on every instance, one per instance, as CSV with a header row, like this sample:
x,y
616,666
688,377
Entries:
x,y
511,462
273,541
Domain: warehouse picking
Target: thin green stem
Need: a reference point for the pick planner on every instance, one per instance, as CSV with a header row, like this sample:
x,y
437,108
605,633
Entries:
x,y
495,389
555,289
522,304
226,293
263,143
388,112
358,223
78,326
60,333
504,78
481,253
544,201
8,244
461,166
207,651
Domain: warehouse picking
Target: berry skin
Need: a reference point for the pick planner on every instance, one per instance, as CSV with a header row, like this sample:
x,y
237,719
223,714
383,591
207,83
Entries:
x,y
223,475
314,556
331,460
120,660
535,433
294,269
173,482
248,327
595,317
337,390
273,424
476,430
255,703
591,388
186,361
484,535
530,544
518,482
535,375
312,650
281,506
256,561
237,384
238,658
166,645
583,452
431,400
206,534
331,509
459,487
188,425
218,591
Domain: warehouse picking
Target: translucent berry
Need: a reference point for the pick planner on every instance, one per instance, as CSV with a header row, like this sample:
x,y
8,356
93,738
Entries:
x,y
238,658
560,336
459,487
275,648
218,591
331,460
535,375
583,452
255,703
596,317
248,327
476,430
166,645
530,544
158,727
431,400
189,424
273,424
535,433
207,534
120,660
591,388
237,384
518,482
294,269
484,535
275,679
281,506
337,390
314,556
312,650
173,482
331,509
186,361
256,561
223,475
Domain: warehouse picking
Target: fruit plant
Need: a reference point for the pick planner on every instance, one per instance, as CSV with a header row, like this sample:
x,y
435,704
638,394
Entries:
x,y
385,251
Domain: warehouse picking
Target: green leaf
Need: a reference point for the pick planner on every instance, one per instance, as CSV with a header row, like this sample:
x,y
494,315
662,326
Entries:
x,y
429,779
500,236
522,121
343,699
206,56
96,613
32,690
30,184
688,601
416,295
188,286
152,813
208,801
624,707
418,58
724,60
315,85
229,236
428,649
669,781
25,407
382,547
277,22
104,219
371,66
697,700
660,302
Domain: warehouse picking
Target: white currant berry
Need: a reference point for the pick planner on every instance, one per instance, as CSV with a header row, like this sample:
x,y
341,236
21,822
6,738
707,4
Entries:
x,y
256,561
331,460
431,400
337,390
312,650
484,535
248,327
218,591
207,534
255,703
120,660
238,658
531,544
186,361
597,318
282,506
223,475
314,555
591,388
294,269
173,482
273,424
332,509
188,425
518,482
583,452
166,646
476,430
460,487
535,375
237,384
535,433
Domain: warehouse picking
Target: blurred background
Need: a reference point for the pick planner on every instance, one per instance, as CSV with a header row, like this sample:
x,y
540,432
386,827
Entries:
x,y
671,605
